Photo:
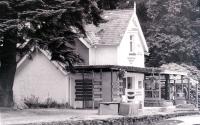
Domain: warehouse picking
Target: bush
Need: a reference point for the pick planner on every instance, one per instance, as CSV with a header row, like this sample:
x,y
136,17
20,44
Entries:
x,y
33,102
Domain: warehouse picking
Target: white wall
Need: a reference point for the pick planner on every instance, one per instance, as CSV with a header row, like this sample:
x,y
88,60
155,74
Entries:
x,y
139,91
103,55
124,56
40,78
120,55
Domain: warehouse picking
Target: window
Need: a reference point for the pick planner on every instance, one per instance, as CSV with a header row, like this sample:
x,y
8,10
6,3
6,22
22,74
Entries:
x,y
131,43
152,90
124,82
129,83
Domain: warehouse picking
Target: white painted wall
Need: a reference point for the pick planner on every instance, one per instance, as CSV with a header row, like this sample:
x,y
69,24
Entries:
x,y
124,55
120,55
103,55
40,78
139,91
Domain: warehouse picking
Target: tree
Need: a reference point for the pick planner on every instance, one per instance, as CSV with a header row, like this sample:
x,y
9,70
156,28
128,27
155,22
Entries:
x,y
170,33
117,4
52,25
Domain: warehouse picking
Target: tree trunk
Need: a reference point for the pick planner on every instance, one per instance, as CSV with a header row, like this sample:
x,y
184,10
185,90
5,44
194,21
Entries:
x,y
7,73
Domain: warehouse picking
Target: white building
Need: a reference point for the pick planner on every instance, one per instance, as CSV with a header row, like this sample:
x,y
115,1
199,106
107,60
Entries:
x,y
111,50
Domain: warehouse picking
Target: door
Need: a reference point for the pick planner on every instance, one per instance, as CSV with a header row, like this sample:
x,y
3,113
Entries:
x,y
133,89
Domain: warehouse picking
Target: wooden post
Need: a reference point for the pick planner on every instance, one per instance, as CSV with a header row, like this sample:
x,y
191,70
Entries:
x,y
189,91
83,89
111,85
159,87
182,83
174,91
93,101
101,75
167,87
101,79
197,98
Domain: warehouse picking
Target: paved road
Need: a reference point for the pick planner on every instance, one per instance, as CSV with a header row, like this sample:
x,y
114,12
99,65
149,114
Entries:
x,y
183,120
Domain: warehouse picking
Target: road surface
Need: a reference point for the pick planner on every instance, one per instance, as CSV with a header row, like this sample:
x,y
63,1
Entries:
x,y
182,120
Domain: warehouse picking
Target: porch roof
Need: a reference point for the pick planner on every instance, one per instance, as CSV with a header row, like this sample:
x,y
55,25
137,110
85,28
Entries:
x,y
146,70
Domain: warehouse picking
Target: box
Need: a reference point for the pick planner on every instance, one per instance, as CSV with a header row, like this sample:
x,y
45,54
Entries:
x,y
129,108
109,108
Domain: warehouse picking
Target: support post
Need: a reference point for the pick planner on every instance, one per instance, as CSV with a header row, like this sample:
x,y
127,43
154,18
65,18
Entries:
x,y
83,89
189,100
174,89
93,101
182,83
111,85
159,87
101,79
167,87
197,98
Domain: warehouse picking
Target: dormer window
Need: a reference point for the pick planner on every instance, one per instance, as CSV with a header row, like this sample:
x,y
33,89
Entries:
x,y
131,43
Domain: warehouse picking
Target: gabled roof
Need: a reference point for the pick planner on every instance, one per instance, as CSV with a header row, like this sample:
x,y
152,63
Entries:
x,y
58,65
111,32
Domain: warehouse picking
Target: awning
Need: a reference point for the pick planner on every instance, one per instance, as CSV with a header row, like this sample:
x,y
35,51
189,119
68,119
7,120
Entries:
x,y
146,70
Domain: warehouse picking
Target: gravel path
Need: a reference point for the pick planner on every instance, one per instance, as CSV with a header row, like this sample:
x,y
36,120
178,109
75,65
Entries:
x,y
47,115
18,117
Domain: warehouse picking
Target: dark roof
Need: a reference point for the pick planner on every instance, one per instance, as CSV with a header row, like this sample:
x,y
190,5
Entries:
x,y
116,68
108,68
111,32
191,71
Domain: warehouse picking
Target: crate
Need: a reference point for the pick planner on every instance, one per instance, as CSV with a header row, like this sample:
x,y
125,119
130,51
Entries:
x,y
109,108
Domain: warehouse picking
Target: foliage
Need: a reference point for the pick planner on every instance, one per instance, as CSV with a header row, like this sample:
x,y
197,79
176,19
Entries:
x,y
117,4
171,28
170,32
53,25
